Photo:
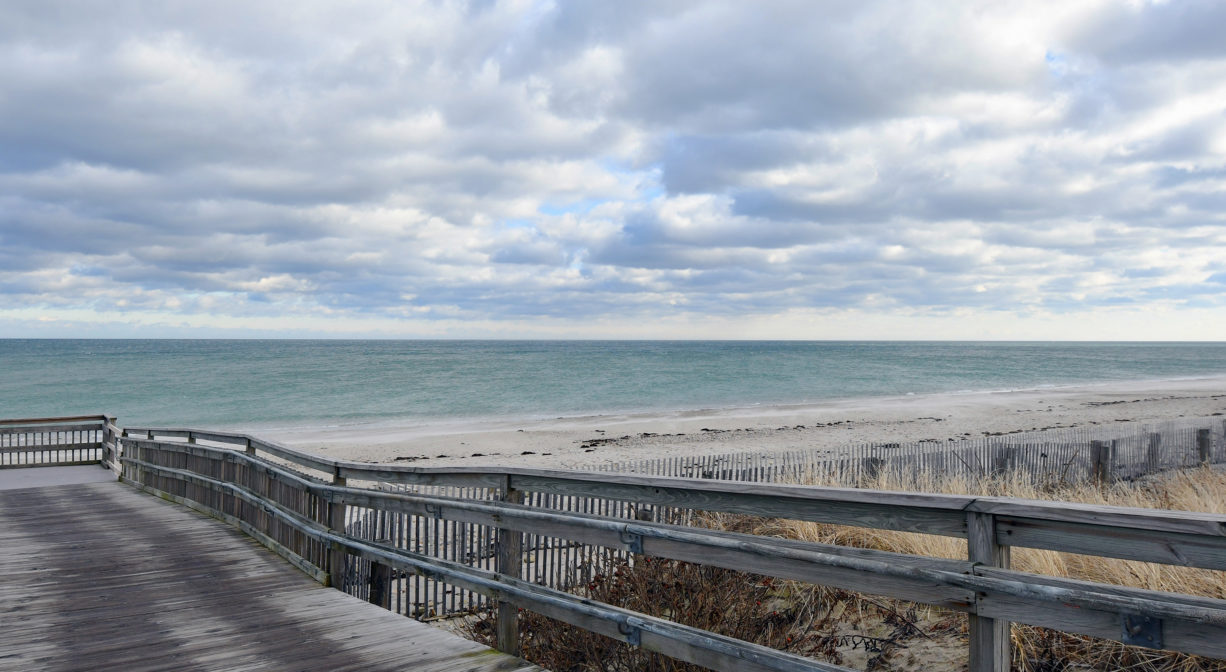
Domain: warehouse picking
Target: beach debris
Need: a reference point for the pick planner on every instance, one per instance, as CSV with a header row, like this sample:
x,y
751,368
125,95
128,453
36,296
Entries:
x,y
527,452
593,443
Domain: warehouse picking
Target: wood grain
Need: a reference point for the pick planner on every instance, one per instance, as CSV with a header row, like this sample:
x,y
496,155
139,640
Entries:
x,y
101,577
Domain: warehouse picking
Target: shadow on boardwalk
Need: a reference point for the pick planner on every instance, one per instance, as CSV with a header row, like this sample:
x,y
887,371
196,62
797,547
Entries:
x,y
101,577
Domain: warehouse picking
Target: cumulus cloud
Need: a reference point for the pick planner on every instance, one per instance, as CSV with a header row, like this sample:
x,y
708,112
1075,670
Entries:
x,y
507,165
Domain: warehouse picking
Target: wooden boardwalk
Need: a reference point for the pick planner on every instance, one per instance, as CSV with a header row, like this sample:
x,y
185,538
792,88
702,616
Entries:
x,y
102,577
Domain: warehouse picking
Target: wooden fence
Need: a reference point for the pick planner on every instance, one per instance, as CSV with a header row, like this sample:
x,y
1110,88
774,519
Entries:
x,y
47,442
1103,453
338,521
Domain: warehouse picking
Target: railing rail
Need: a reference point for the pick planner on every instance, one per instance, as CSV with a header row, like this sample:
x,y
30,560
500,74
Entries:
x,y
255,491
1169,537
65,441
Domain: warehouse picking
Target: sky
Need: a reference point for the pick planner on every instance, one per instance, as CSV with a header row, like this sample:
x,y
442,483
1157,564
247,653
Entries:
x,y
522,169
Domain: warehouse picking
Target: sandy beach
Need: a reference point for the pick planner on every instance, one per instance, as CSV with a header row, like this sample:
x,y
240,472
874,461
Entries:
x,y
590,441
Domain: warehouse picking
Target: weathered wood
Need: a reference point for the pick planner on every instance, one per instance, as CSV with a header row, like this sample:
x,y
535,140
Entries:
x,y
57,463
930,514
1156,520
1100,462
989,637
1172,548
1040,597
1204,446
197,595
326,465
1178,537
34,429
336,521
510,543
48,421
381,585
1191,539
1025,591
247,442
477,478
682,642
788,559
1153,452
285,552
696,644
52,447
1191,633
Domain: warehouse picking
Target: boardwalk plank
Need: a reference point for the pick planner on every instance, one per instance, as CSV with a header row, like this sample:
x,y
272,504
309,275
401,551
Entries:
x,y
101,577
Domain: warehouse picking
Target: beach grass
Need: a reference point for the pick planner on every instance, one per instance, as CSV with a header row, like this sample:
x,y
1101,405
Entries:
x,y
876,633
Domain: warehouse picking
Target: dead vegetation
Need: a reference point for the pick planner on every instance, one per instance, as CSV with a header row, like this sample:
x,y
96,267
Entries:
x,y
871,632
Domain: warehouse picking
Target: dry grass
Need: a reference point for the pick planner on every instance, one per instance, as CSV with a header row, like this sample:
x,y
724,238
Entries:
x,y
833,625
874,633
1189,490
1039,648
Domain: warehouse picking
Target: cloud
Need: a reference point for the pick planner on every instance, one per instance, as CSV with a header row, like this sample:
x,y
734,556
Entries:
x,y
512,165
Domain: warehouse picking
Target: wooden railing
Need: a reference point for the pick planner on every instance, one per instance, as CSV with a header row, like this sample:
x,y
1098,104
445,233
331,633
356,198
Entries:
x,y
299,505
48,442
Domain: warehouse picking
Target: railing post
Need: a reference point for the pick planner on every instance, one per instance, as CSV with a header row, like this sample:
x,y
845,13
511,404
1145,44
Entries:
x,y
116,447
119,452
1203,445
510,544
336,522
381,574
989,637
107,454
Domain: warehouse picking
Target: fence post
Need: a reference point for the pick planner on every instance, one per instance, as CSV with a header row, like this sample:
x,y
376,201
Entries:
x,y
1202,445
989,637
1100,461
510,546
1154,456
336,522
870,469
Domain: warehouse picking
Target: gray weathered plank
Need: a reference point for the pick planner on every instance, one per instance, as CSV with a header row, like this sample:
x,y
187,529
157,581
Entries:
x,y
101,577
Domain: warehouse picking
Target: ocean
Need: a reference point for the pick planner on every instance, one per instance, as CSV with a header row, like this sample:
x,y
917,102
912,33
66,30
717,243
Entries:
x,y
283,384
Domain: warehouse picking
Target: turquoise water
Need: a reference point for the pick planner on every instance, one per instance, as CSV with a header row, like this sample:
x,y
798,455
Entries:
x,y
232,384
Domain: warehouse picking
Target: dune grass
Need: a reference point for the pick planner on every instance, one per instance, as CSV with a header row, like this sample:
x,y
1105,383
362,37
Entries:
x,y
872,632
1201,489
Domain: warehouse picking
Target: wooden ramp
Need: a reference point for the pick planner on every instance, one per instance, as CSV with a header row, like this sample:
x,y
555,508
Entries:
x,y
102,577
